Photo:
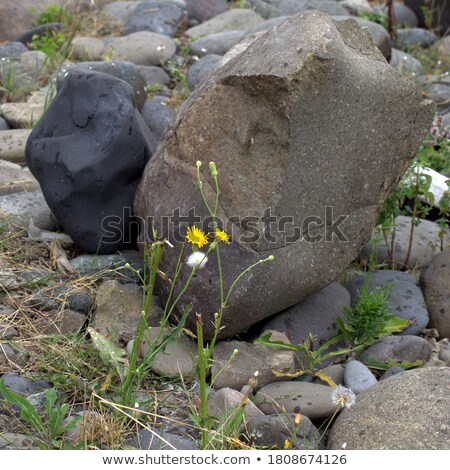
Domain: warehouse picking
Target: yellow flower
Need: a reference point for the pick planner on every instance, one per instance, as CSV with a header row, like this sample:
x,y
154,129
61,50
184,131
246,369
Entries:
x,y
222,236
196,236
287,444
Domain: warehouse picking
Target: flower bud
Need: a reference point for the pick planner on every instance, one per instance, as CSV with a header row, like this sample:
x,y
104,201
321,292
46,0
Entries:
x,y
213,169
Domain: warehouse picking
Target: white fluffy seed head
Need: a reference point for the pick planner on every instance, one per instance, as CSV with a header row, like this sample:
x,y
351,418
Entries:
x,y
197,259
343,396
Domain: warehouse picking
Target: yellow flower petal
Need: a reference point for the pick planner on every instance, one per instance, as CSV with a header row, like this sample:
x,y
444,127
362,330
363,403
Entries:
x,y
222,236
196,236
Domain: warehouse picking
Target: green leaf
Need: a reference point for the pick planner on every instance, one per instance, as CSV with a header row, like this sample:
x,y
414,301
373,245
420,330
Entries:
x,y
395,325
266,341
27,410
372,363
110,354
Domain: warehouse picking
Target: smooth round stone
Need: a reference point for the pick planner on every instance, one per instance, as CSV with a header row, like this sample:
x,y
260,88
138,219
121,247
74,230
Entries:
x,y
311,400
25,115
274,430
146,440
153,74
414,37
405,297
87,48
442,45
249,359
142,48
399,349
179,358
157,115
160,17
408,411
217,43
4,126
426,243
16,179
12,145
30,70
231,20
391,372
19,208
115,14
24,385
436,290
198,70
335,372
405,63
202,10
12,50
315,315
403,15
358,377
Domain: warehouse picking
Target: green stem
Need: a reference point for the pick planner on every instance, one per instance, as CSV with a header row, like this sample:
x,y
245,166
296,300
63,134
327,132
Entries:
x,y
202,382
270,258
156,251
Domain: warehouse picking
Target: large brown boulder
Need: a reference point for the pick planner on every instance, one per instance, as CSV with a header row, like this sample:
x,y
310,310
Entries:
x,y
309,127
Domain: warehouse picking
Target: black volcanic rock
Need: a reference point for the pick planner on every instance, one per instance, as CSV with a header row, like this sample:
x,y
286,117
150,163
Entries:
x,y
88,153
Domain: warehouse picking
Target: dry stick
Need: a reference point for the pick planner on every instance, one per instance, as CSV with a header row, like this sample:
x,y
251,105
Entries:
x,y
391,20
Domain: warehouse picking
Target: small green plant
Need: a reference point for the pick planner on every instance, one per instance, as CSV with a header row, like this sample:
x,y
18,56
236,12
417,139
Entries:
x,y
153,88
51,14
49,429
369,318
374,16
307,357
372,363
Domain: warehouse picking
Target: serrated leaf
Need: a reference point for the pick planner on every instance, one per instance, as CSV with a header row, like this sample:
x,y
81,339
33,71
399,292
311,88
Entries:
x,y
372,363
266,341
110,353
395,324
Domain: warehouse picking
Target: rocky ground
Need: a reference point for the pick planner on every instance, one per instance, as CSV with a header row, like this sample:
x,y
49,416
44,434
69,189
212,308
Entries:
x,y
57,281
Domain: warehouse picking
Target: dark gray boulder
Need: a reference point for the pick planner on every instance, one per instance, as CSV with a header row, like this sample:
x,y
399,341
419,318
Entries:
x,y
88,152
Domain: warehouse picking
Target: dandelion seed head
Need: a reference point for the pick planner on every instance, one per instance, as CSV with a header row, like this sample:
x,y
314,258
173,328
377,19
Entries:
x,y
343,396
197,260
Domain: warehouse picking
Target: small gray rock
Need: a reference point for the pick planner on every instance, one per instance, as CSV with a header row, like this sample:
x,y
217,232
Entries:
x,y
358,377
222,402
4,126
407,37
24,73
12,50
275,430
231,20
11,441
436,290
250,358
391,372
142,48
405,298
87,48
153,74
19,208
315,315
403,15
406,64
311,400
146,440
335,372
118,309
12,145
198,70
426,243
179,359
398,348
16,179
217,43
24,385
9,356
202,10
157,115
160,17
